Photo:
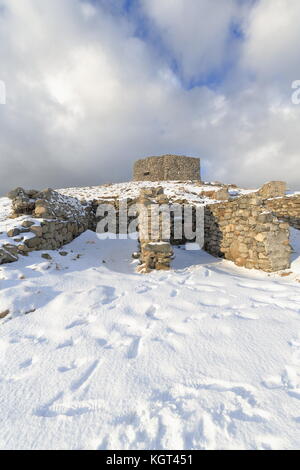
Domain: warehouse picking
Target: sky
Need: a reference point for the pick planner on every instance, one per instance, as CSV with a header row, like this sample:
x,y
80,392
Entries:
x,y
93,85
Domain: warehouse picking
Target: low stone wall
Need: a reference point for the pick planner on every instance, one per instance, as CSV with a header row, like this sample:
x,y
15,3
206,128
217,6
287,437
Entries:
x,y
52,234
44,235
286,208
244,232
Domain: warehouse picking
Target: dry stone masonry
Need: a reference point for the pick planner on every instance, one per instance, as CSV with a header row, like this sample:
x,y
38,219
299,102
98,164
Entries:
x,y
52,221
244,232
286,208
154,239
167,168
250,228
273,189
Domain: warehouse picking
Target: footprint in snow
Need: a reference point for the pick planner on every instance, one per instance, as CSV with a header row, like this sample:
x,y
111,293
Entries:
x,y
85,377
213,301
66,344
151,311
64,369
134,347
76,323
29,362
262,286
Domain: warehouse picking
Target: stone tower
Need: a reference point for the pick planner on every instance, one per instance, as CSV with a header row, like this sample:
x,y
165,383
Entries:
x,y
167,168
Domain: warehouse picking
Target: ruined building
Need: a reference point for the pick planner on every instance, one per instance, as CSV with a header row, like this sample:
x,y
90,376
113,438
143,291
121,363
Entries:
x,y
248,227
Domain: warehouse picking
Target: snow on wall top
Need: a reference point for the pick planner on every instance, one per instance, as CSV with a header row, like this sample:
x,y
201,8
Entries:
x,y
188,191
6,223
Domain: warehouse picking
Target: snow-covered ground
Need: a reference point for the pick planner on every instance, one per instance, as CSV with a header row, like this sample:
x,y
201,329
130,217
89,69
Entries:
x,y
189,191
95,356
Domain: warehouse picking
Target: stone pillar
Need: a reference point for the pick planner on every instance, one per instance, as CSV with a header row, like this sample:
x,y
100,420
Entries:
x,y
154,231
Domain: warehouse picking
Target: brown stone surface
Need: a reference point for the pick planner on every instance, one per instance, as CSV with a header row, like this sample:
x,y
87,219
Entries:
x,y
273,189
286,208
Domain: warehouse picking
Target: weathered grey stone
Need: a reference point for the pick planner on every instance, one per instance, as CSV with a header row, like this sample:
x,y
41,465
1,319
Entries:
x,y
46,256
6,256
32,242
15,193
27,223
23,248
14,232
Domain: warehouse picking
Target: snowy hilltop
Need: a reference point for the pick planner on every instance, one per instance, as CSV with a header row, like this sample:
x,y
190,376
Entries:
x,y
94,355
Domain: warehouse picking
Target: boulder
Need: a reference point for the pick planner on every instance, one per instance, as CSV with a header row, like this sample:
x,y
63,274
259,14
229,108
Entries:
x,y
15,193
14,232
4,314
6,256
27,223
46,256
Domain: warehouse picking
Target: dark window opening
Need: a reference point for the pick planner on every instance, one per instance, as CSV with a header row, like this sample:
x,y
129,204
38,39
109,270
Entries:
x,y
147,173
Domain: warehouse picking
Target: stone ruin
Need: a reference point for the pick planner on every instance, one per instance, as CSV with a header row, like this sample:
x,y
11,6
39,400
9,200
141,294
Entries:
x,y
167,168
251,229
155,248
47,220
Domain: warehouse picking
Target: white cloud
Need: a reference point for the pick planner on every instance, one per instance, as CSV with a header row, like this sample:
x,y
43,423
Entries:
x,y
86,97
197,33
273,36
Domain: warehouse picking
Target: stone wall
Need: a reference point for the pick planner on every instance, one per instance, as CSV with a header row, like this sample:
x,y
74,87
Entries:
x,y
286,208
117,207
244,232
51,235
154,242
273,189
51,221
167,168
